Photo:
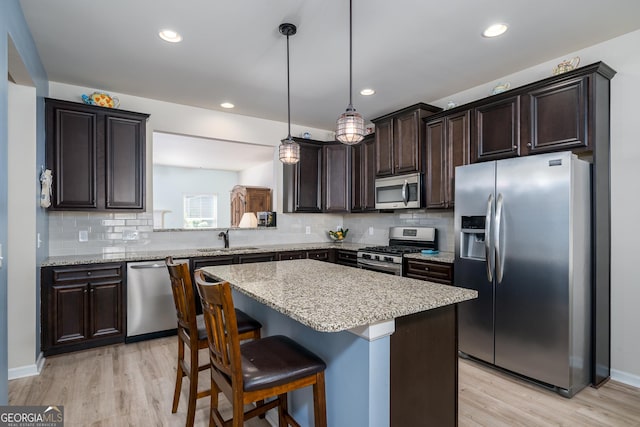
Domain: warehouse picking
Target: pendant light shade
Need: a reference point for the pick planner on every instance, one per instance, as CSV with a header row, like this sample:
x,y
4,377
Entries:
x,y
350,128
289,150
350,125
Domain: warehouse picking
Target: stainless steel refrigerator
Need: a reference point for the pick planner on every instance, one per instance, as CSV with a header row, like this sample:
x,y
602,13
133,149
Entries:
x,y
522,230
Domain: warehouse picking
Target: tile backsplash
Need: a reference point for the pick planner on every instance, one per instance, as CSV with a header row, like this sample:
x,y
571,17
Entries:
x,y
73,233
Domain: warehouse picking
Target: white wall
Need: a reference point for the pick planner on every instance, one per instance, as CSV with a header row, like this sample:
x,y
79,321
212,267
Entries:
x,y
22,232
258,176
172,182
623,55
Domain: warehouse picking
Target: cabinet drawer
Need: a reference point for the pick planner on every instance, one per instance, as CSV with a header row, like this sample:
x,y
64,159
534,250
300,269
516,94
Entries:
x,y
283,256
431,271
346,257
320,255
259,257
84,273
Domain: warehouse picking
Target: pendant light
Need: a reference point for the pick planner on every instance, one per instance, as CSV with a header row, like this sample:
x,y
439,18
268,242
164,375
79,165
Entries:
x,y
289,151
350,126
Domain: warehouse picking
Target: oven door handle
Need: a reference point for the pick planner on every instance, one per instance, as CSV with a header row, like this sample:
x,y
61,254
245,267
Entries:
x,y
378,265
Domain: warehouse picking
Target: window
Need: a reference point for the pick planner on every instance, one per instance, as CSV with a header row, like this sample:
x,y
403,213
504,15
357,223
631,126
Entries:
x,y
200,210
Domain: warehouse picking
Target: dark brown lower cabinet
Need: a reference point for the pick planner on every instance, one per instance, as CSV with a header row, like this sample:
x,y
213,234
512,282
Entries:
x,y
347,257
317,254
424,369
283,256
259,257
327,255
82,307
433,271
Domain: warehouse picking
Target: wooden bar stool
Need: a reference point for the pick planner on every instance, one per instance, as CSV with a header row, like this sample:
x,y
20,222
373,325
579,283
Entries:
x,y
192,332
266,368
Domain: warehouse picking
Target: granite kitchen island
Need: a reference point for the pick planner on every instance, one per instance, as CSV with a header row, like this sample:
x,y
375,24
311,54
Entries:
x,y
389,342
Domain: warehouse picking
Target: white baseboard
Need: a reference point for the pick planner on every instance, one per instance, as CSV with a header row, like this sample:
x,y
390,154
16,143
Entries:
x,y
625,377
28,370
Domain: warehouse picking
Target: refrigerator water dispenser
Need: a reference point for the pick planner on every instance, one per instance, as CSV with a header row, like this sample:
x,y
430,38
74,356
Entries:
x,y
472,238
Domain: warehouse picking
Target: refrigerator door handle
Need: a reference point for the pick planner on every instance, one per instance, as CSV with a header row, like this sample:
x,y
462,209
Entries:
x,y
487,238
498,230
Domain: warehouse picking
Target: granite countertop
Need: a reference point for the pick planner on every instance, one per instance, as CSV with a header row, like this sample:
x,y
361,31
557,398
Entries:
x,y
332,298
446,257
192,253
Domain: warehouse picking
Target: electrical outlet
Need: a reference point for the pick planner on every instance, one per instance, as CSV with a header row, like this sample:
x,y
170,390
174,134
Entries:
x,y
130,235
307,229
370,231
83,236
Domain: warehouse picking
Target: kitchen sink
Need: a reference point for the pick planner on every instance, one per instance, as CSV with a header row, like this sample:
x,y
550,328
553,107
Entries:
x,y
237,248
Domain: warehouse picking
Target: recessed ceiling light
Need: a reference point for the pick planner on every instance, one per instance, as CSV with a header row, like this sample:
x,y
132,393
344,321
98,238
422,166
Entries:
x,y
495,30
367,92
170,36
227,105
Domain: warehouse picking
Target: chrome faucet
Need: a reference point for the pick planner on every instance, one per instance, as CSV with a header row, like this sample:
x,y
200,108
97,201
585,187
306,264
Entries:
x,y
224,235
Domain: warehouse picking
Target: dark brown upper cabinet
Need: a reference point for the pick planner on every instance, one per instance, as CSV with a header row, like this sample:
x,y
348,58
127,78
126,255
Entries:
x,y
554,117
399,138
302,182
320,181
97,156
448,146
363,175
496,130
336,189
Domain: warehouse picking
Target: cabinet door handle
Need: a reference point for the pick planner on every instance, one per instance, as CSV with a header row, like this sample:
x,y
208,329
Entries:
x,y
88,273
426,269
529,145
515,147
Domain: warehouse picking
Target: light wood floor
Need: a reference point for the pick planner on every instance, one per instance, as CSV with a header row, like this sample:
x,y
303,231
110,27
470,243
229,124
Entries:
x,y
132,385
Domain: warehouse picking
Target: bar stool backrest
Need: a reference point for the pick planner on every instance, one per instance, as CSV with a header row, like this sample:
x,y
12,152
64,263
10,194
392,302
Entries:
x,y
222,331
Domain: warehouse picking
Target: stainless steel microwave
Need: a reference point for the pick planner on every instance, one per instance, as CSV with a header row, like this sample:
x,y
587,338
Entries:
x,y
399,192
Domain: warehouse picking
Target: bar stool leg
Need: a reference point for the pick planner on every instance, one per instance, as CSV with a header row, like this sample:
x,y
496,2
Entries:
x,y
319,402
193,386
283,410
179,375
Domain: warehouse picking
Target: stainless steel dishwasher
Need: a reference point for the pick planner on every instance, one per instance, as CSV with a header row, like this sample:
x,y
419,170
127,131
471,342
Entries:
x,y
151,312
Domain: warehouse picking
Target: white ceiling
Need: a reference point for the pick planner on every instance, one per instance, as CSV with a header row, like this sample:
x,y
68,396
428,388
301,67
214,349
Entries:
x,y
194,152
407,50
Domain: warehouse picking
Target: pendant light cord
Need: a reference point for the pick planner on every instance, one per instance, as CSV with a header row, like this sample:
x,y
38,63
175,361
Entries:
x,y
288,93
350,55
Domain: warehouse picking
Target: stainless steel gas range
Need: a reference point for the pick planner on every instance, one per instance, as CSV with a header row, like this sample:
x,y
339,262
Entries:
x,y
402,240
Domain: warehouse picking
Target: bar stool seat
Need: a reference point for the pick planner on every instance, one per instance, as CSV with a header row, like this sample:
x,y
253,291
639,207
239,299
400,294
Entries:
x,y
276,360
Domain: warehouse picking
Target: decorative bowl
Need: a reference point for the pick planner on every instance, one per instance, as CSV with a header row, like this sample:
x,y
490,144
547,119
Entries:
x,y
566,65
500,87
101,99
338,235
